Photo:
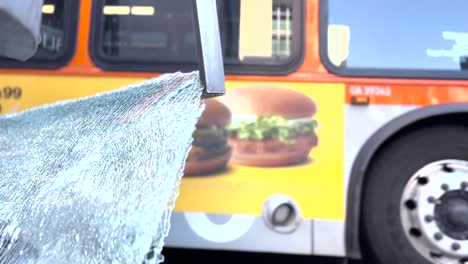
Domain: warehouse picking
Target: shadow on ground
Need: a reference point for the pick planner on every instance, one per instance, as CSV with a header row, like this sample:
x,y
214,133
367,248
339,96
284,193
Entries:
x,y
176,256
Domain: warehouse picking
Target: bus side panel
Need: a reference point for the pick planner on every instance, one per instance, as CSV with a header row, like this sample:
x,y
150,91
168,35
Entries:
x,y
225,209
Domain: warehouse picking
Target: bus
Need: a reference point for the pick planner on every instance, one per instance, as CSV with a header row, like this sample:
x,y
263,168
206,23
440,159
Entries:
x,y
347,133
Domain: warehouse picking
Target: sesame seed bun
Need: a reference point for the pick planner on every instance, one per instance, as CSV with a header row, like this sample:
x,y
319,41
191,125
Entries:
x,y
215,113
268,101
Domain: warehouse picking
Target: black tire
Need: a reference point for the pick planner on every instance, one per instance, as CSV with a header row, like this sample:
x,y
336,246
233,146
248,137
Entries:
x,y
383,238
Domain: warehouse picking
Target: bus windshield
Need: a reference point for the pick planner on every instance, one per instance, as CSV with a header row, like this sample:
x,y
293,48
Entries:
x,y
398,34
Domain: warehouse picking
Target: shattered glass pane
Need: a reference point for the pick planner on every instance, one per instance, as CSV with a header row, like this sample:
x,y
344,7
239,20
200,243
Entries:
x,y
95,180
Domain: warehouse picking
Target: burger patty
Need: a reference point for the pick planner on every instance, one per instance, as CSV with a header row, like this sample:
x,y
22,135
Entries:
x,y
198,153
302,143
210,136
208,142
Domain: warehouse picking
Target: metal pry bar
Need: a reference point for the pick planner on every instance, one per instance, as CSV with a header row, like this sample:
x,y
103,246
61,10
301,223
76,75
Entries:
x,y
208,48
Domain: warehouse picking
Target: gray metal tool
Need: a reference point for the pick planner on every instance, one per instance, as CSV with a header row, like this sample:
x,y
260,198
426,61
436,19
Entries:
x,y
208,45
20,30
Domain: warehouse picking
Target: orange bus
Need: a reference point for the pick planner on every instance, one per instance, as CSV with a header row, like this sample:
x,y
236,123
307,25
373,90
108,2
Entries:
x,y
345,121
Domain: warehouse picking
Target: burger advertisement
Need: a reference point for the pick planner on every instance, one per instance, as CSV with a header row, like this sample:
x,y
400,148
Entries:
x,y
259,126
264,139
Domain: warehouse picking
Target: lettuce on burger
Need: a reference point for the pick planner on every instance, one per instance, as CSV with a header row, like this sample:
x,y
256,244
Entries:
x,y
271,126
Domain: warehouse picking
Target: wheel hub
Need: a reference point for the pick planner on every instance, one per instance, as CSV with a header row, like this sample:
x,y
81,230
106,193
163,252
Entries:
x,y
451,215
434,211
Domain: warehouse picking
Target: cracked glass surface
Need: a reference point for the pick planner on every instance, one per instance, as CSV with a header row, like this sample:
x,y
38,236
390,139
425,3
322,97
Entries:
x,y
95,180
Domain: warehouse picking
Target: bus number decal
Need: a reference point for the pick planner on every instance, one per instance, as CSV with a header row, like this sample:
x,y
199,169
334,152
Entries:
x,y
9,93
370,90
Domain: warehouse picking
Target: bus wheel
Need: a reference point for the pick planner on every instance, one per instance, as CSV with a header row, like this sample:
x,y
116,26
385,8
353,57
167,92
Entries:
x,y
415,200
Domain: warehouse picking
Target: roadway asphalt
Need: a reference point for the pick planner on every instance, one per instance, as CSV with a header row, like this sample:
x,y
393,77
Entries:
x,y
177,256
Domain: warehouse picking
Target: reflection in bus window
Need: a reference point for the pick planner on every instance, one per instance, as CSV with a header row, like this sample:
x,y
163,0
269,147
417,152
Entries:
x,y
151,31
282,30
52,29
51,46
398,34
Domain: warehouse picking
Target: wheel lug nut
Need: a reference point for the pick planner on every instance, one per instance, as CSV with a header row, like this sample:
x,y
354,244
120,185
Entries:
x,y
423,180
447,168
445,187
415,232
464,185
433,200
456,246
429,218
438,236
410,204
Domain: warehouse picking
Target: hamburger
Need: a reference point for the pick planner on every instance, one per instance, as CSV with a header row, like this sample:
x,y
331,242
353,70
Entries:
x,y
210,151
271,126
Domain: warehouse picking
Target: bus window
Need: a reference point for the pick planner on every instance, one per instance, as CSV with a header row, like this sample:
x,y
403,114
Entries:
x,y
58,35
396,37
150,35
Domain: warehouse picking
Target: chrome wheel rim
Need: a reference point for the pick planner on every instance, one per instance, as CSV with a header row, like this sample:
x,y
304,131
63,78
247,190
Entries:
x,y
434,211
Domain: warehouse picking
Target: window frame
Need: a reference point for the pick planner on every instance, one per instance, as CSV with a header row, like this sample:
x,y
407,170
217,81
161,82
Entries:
x,y
261,66
71,21
370,72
